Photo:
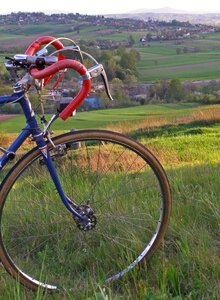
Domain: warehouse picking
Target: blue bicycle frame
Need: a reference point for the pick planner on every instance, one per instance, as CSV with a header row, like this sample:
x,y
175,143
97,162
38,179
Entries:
x,y
32,128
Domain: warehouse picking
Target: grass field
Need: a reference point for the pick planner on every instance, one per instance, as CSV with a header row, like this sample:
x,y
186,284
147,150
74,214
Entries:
x,y
160,61
102,118
185,137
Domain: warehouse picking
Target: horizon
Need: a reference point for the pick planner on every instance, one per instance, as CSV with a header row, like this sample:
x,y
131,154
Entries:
x,y
97,7
160,10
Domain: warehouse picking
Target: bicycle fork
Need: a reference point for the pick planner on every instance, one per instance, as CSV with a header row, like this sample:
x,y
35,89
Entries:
x,y
42,146
83,215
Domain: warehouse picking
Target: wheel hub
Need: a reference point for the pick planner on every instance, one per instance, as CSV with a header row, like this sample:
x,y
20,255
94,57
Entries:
x,y
89,219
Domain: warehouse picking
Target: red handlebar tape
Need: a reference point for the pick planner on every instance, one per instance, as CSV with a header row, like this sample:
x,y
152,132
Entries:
x,y
43,41
60,65
48,72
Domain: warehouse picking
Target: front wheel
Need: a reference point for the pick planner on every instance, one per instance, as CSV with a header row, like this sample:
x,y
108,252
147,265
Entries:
x,y
116,178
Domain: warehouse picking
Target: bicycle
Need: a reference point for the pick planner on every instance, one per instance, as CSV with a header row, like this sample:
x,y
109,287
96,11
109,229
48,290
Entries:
x,y
115,196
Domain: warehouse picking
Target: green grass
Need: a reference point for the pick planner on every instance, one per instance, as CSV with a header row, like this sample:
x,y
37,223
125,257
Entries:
x,y
102,118
184,144
187,265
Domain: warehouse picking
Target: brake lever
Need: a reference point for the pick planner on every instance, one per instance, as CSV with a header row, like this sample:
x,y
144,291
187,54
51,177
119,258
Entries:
x,y
97,70
105,81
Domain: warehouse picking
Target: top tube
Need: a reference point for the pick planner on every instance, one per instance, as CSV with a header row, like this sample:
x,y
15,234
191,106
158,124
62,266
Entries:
x,y
12,98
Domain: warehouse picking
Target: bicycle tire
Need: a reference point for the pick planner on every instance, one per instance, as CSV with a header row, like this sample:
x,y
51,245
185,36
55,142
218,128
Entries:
x,y
39,239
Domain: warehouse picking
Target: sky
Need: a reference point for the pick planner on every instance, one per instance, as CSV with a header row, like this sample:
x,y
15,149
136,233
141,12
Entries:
x,y
105,7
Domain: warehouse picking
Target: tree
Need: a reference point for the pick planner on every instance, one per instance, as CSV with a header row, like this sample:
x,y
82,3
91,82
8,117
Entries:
x,y
116,82
149,37
119,63
104,100
131,81
77,28
106,55
175,90
178,50
128,61
111,68
136,54
131,41
159,90
120,97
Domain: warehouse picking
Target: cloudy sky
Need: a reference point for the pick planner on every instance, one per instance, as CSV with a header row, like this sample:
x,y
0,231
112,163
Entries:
x,y
105,7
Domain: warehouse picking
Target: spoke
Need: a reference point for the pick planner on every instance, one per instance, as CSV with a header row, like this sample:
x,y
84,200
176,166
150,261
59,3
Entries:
x,y
45,195
97,166
36,225
37,189
145,228
34,249
72,175
91,193
109,199
100,177
123,183
127,217
24,237
37,213
109,168
112,239
75,197
88,159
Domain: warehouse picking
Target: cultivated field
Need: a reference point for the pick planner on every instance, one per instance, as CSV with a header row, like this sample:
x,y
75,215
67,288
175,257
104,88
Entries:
x,y
161,61
199,56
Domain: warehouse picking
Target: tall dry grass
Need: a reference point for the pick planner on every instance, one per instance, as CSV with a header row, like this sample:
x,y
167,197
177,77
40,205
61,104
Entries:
x,y
209,114
206,114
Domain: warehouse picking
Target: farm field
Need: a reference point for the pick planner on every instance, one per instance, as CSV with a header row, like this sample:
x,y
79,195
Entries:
x,y
185,138
198,58
161,61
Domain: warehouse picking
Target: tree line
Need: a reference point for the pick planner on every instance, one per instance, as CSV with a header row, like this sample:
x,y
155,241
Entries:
x,y
176,91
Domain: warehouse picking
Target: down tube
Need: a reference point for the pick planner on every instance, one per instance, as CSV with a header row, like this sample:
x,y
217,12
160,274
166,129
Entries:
x,y
15,145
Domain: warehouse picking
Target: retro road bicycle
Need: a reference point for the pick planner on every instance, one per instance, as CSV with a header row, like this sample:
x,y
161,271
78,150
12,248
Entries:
x,y
83,207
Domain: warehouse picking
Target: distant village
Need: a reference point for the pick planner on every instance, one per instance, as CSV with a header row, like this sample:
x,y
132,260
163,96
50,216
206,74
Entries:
x,y
153,29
